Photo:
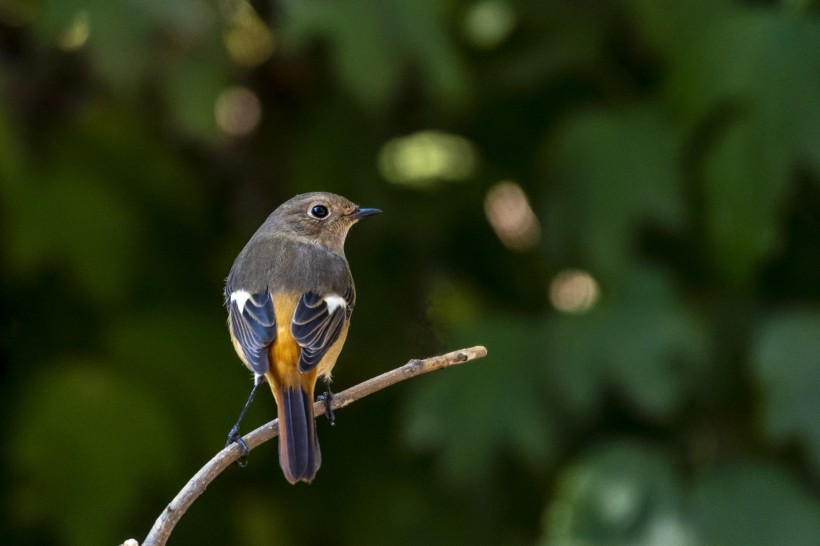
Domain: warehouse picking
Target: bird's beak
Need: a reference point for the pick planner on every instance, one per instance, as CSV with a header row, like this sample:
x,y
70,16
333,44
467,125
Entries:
x,y
360,213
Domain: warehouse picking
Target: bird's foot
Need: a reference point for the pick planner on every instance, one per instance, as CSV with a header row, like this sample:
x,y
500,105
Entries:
x,y
235,437
327,398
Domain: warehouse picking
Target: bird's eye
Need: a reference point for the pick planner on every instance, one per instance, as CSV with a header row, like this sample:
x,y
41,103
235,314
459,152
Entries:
x,y
318,211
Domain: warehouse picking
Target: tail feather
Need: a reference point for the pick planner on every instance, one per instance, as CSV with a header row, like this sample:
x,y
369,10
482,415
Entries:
x,y
299,454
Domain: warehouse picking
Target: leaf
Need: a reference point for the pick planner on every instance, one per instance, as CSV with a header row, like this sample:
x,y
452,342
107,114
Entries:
x,y
85,444
373,43
472,416
754,504
751,76
745,175
624,493
123,41
612,172
643,343
786,363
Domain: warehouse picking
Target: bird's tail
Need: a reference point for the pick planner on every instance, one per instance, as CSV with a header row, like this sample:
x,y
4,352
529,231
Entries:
x,y
299,454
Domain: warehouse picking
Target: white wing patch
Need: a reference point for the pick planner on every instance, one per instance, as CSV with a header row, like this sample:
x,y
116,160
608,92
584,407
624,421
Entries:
x,y
334,302
241,297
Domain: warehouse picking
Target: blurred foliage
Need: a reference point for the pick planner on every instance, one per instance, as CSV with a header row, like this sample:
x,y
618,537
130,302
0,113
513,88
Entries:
x,y
645,279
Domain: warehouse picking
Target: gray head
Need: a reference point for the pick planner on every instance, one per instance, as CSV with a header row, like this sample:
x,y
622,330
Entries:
x,y
321,217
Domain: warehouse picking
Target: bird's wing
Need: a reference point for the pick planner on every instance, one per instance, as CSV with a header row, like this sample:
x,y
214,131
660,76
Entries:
x,y
253,324
317,323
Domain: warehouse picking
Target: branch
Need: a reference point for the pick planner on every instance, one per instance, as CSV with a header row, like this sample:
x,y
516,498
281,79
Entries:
x,y
166,522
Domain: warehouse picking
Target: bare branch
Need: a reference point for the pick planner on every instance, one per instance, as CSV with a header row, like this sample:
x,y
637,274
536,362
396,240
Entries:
x,y
166,522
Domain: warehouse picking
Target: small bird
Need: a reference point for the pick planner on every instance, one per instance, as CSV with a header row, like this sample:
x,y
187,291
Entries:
x,y
289,296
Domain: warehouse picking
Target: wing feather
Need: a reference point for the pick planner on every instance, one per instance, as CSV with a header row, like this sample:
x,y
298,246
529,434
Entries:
x,y
254,326
315,328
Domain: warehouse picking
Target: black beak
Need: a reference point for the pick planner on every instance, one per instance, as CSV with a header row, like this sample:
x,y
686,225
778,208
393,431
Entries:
x,y
360,213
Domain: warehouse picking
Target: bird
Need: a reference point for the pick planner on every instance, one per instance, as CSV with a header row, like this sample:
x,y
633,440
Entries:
x,y
290,296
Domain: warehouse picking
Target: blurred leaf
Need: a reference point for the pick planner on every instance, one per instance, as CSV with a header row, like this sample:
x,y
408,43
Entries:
x,y
367,66
612,172
431,50
745,175
372,43
623,493
642,341
550,40
786,361
751,70
757,60
754,504
85,444
474,415
124,36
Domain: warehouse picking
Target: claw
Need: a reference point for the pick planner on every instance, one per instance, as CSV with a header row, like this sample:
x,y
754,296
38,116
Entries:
x,y
235,437
327,398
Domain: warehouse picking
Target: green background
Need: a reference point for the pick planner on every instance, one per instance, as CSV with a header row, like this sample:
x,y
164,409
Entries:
x,y
669,150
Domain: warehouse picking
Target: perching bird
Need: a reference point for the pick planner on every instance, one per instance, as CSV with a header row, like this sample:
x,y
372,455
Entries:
x,y
290,295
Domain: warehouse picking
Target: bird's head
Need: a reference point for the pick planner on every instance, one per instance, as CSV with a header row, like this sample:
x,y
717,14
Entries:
x,y
321,217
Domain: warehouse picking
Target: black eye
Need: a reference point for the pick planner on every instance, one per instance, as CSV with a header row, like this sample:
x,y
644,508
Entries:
x,y
318,211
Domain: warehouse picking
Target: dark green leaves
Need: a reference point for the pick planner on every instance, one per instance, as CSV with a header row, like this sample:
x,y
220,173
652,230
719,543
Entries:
x,y
374,45
754,504
623,493
475,417
744,73
634,493
786,360
642,343
611,173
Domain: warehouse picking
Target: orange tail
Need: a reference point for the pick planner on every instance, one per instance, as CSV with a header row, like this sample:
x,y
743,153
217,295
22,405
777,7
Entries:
x,y
299,454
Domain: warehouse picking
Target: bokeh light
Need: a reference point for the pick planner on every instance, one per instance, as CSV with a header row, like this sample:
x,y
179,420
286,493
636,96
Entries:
x,y
573,291
488,23
248,39
422,158
511,217
76,35
238,111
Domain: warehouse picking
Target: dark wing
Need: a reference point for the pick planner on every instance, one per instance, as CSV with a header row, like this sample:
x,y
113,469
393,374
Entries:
x,y
350,298
316,328
254,327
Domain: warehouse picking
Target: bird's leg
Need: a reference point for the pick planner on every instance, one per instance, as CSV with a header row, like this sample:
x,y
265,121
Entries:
x,y
233,435
327,398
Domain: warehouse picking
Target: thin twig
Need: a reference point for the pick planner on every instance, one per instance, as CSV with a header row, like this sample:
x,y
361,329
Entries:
x,y
166,522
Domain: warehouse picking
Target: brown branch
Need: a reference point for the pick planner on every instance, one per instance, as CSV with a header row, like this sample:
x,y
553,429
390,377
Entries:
x,y
166,522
